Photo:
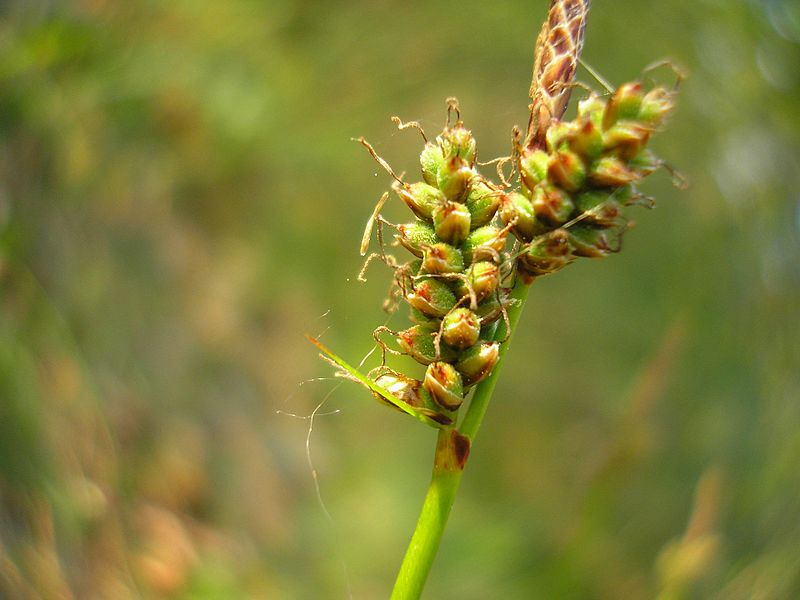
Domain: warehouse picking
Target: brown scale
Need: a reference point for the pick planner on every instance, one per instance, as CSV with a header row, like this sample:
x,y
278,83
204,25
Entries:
x,y
558,49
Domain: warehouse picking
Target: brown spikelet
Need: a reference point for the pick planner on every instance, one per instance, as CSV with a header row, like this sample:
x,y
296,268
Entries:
x,y
558,48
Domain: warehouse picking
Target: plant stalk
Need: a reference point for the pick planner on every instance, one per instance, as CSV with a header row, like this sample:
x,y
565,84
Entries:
x,y
452,450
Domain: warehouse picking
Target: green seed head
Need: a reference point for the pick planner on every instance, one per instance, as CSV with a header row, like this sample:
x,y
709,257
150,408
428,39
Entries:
x,y
454,178
566,169
484,243
533,167
476,363
588,140
457,141
413,236
517,209
421,198
483,278
482,201
451,221
610,172
656,105
592,108
441,258
546,254
419,343
552,204
624,105
444,384
432,297
591,242
461,328
599,208
626,139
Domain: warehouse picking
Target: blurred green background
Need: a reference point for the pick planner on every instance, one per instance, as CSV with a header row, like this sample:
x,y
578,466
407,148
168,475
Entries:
x,y
180,201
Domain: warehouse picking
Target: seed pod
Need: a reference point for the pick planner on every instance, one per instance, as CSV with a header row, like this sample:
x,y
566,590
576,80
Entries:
x,y
558,134
588,140
410,391
419,343
476,364
592,108
546,254
461,328
610,172
413,236
598,207
452,222
656,105
482,277
482,202
566,169
517,209
591,242
533,167
442,258
432,297
444,384
421,198
454,178
626,139
431,159
420,318
484,243
458,141
552,204
625,104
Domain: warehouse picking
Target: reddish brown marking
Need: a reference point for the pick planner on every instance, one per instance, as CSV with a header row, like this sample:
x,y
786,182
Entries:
x,y
461,446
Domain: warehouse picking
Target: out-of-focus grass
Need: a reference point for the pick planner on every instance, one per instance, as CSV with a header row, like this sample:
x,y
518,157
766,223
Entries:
x,y
180,202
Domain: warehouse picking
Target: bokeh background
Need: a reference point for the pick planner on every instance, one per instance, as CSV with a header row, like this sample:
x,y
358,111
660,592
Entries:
x,y
181,201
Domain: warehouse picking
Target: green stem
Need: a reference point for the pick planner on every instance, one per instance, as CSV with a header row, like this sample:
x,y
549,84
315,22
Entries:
x,y
452,449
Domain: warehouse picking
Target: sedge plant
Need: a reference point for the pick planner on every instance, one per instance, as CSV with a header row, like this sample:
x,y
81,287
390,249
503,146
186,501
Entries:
x,y
476,244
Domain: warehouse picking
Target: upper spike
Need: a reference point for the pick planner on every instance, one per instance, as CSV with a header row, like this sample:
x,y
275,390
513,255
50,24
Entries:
x,y
558,49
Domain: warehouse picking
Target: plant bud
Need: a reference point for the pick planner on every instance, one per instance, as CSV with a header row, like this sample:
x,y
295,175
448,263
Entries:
x,y
546,254
599,207
588,140
484,243
413,236
552,204
566,170
418,342
432,297
442,258
626,139
592,108
656,105
624,105
444,384
611,172
458,142
421,198
558,134
518,209
533,167
482,202
482,277
452,222
410,391
476,364
591,242
454,178
431,159
461,328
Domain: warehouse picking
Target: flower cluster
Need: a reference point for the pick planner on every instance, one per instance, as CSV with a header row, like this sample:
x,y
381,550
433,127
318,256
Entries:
x,y
573,187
